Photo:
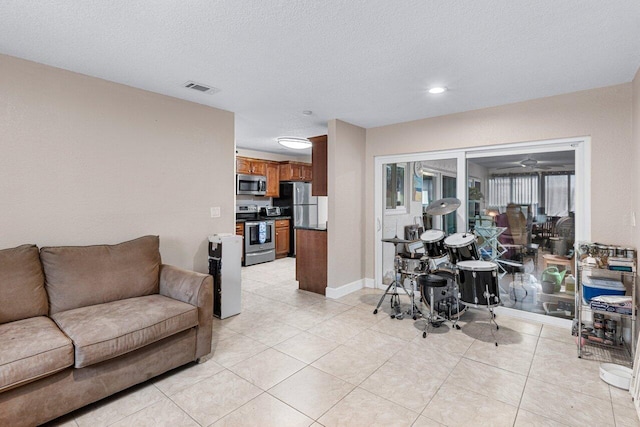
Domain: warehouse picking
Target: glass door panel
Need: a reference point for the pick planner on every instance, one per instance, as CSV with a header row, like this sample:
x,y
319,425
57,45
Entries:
x,y
408,189
519,200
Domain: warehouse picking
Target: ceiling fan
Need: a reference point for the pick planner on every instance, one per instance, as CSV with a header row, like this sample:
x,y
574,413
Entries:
x,y
530,163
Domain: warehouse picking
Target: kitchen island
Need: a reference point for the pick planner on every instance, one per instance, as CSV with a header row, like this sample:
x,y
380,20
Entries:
x,y
311,258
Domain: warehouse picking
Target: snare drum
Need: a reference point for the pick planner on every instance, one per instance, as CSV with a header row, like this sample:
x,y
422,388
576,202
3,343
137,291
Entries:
x,y
413,265
433,243
478,283
461,247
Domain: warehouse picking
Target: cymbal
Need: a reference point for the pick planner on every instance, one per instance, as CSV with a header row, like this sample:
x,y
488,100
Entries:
x,y
443,206
395,240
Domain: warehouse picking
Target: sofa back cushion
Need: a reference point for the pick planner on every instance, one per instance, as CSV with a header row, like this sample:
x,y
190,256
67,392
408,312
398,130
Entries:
x,y
78,276
22,293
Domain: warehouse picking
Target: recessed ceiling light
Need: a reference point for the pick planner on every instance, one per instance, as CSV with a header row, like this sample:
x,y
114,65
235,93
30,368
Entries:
x,y
438,89
295,143
307,112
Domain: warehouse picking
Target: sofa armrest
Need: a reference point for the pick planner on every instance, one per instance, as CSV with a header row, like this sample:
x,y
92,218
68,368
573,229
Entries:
x,y
195,289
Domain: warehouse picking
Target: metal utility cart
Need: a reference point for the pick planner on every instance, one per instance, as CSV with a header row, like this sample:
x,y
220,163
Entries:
x,y
623,348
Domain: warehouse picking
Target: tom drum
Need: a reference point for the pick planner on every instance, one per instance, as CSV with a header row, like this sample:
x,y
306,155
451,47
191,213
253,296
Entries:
x,y
433,243
478,283
462,247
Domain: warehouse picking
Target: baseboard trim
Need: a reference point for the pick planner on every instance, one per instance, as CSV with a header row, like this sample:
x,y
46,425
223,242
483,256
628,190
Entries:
x,y
343,290
369,283
534,317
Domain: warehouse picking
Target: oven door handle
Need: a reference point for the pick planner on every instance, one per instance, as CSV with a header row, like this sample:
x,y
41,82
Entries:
x,y
253,224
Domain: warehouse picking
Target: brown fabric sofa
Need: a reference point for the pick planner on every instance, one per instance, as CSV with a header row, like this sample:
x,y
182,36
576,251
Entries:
x,y
79,323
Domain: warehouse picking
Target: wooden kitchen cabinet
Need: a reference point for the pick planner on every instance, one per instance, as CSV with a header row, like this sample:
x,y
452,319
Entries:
x,y
289,170
258,167
311,260
319,165
282,238
243,165
295,171
307,173
273,179
240,232
251,166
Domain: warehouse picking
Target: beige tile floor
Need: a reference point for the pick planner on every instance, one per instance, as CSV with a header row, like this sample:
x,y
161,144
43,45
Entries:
x,y
292,358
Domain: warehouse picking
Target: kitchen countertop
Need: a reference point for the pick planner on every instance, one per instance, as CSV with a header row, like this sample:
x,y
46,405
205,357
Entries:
x,y
312,227
264,218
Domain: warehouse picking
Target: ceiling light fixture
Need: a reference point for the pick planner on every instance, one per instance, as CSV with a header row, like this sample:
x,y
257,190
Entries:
x,y
307,112
295,143
438,89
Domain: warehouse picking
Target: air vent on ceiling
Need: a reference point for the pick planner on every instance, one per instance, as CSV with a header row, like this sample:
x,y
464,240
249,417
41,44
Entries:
x,y
210,90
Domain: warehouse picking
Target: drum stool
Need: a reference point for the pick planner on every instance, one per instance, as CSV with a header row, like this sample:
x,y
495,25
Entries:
x,y
431,281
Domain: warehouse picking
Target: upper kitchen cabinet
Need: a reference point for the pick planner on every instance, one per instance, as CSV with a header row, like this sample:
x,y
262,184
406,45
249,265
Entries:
x,y
251,166
319,165
243,165
273,179
295,171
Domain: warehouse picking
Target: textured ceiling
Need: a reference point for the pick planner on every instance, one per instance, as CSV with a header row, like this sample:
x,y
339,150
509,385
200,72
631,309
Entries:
x,y
367,62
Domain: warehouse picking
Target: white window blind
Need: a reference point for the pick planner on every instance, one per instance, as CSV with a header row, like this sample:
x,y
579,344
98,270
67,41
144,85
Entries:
x,y
518,189
559,194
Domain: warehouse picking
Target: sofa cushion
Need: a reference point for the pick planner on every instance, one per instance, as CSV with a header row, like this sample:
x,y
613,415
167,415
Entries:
x,y
78,276
22,293
30,349
104,331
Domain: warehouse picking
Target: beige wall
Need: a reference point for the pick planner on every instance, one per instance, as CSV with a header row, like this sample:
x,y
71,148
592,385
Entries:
x,y
604,114
87,161
636,157
345,241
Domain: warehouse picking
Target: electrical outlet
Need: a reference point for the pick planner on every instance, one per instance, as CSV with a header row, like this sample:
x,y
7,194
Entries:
x,y
215,212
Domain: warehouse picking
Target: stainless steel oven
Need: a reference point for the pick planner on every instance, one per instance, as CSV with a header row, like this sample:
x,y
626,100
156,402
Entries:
x,y
259,241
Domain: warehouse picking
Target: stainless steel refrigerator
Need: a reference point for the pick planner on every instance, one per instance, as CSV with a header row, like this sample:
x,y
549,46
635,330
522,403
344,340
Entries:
x,y
302,206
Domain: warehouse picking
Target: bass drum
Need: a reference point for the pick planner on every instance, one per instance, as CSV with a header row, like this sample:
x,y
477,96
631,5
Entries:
x,y
478,283
446,302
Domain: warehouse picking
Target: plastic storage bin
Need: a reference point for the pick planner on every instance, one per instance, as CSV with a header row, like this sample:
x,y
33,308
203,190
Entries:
x,y
593,287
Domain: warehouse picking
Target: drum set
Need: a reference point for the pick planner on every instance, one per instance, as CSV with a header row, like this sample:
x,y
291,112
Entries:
x,y
450,275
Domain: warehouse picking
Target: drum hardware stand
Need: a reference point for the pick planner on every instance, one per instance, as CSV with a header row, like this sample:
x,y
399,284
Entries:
x,y
492,315
395,297
434,319
395,306
414,311
393,286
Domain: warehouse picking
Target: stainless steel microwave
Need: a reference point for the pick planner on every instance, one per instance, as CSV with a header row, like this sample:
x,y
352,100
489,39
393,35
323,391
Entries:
x,y
255,185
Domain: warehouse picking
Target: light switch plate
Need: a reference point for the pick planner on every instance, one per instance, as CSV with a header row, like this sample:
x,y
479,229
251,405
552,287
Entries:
x,y
215,212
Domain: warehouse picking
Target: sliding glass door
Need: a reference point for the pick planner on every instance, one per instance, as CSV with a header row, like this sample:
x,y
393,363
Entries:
x,y
529,206
524,202
408,187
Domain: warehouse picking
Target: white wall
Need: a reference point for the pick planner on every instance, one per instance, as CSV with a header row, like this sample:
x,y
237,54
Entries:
x,y
603,114
87,161
346,184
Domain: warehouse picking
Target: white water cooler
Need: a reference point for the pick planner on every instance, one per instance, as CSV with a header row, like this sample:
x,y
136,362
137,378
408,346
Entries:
x,y
225,254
